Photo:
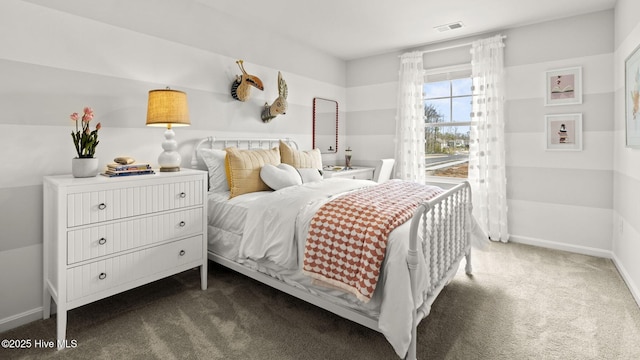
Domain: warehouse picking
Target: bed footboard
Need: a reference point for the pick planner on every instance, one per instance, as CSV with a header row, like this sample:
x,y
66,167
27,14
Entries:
x,y
443,224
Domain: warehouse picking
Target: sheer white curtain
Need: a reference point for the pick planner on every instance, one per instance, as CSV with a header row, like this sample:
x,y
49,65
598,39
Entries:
x,y
410,139
486,150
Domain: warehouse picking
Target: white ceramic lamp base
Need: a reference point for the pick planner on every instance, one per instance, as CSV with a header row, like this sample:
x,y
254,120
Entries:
x,y
169,160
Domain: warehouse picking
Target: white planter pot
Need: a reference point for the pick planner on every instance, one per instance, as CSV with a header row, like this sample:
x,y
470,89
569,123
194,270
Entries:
x,y
84,167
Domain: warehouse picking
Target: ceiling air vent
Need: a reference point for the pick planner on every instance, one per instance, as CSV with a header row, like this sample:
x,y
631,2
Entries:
x,y
447,27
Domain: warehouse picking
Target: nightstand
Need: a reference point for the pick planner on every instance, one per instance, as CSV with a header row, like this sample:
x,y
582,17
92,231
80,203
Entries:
x,y
103,236
363,173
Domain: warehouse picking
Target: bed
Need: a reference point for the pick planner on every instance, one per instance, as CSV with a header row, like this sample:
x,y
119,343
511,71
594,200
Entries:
x,y
268,235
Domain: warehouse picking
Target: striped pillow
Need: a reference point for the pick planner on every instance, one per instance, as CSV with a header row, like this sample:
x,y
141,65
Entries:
x,y
243,169
300,159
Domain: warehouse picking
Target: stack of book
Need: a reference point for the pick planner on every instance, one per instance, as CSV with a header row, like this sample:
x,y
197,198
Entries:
x,y
114,170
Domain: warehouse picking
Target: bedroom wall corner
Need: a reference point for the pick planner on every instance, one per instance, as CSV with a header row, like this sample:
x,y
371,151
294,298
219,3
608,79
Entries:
x,y
626,186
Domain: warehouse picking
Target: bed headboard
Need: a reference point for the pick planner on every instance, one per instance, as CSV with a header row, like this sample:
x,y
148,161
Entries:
x,y
213,143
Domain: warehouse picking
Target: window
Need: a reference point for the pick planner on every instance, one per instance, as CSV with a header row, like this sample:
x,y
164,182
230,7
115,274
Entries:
x,y
447,110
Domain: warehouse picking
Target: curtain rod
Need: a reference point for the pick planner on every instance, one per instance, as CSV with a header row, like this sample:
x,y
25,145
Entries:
x,y
450,47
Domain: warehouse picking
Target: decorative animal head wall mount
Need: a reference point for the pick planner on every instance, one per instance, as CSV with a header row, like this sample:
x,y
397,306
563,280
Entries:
x,y
279,105
241,86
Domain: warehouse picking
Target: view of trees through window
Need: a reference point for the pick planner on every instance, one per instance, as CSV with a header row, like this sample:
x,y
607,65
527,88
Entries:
x,y
447,110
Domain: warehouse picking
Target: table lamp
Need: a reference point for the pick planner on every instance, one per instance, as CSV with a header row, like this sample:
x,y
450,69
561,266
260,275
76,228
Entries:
x,y
168,108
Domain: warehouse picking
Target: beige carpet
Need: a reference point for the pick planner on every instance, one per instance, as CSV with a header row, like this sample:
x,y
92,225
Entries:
x,y
521,303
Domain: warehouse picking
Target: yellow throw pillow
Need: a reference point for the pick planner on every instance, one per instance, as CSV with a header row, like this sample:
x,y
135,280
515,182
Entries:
x,y
300,159
243,169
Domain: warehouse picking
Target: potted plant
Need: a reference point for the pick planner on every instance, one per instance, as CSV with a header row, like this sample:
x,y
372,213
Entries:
x,y
85,140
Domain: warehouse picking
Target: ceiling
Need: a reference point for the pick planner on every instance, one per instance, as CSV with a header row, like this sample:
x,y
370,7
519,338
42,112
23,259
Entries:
x,y
350,29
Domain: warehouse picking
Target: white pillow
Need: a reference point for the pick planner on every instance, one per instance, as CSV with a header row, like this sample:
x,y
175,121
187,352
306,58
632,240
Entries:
x,y
214,159
280,177
310,175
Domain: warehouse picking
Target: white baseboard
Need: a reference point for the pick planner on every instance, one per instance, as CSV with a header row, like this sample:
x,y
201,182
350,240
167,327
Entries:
x,y
608,254
20,319
627,279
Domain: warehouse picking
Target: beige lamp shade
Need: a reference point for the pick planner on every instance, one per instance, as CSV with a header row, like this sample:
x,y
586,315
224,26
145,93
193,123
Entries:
x,y
167,108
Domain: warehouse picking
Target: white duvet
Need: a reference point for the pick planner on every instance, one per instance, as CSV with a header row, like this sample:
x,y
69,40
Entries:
x,y
275,231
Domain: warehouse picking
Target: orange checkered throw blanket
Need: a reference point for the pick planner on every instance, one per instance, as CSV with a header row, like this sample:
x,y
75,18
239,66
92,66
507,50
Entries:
x,y
347,237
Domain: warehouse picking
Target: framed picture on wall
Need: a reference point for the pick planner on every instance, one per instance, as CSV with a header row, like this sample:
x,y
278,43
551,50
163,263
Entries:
x,y
563,86
563,132
632,98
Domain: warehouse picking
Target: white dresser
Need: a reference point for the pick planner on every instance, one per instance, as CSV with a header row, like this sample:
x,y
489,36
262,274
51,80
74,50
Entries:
x,y
105,235
363,173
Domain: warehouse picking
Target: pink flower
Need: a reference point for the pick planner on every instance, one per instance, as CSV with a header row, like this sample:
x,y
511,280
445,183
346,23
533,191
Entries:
x,y
88,114
85,140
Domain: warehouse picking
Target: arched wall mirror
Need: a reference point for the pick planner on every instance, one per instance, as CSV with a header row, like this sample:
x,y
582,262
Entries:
x,y
325,125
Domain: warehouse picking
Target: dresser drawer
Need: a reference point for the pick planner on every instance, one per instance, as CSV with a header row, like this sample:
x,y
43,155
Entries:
x,y
354,173
101,240
110,204
106,274
362,175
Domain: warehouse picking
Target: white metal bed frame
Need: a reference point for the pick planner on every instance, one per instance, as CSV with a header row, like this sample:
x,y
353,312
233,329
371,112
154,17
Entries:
x,y
443,222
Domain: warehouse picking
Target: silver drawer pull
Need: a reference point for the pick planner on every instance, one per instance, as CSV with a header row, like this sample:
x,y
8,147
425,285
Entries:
x,y
102,276
182,224
102,206
183,195
182,252
102,241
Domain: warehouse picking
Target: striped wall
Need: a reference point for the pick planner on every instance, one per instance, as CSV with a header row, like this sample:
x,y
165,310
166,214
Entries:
x,y
57,56
561,199
556,199
626,175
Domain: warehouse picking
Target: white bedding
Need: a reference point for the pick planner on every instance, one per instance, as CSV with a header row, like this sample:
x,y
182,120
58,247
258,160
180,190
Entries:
x,y
267,231
226,220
